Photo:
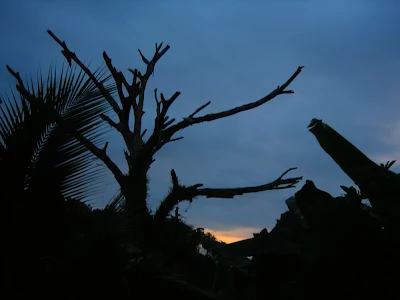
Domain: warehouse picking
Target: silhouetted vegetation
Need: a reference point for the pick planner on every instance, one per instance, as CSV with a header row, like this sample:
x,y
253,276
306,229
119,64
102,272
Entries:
x,y
58,246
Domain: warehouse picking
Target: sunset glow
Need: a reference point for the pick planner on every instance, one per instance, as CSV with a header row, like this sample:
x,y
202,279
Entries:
x,y
233,235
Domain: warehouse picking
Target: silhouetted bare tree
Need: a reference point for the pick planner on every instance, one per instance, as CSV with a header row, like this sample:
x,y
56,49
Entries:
x,y
139,152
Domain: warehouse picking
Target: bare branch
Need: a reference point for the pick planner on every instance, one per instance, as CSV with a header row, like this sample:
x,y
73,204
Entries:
x,y
99,153
211,117
181,193
158,104
135,84
126,101
145,60
160,138
115,75
199,109
177,194
72,56
160,145
174,178
159,122
277,184
167,123
125,132
105,147
143,83
110,122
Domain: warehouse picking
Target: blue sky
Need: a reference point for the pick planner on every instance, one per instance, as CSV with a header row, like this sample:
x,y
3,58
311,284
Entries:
x,y
233,52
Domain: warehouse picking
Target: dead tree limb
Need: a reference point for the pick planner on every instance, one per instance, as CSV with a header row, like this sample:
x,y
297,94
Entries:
x,y
191,120
179,193
71,56
277,184
144,79
163,134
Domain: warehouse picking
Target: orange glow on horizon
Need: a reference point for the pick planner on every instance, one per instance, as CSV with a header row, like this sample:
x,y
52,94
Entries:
x,y
233,235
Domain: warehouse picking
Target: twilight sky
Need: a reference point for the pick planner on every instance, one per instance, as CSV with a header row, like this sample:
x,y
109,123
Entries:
x,y
233,52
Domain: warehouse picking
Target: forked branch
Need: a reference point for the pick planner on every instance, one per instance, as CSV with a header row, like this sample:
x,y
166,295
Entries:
x,y
143,82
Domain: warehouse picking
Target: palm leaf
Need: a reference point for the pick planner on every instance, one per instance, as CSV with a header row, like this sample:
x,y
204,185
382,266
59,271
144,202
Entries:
x,y
36,151
117,202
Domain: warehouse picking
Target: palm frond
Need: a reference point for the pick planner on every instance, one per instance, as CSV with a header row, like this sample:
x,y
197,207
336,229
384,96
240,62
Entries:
x,y
44,153
117,202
